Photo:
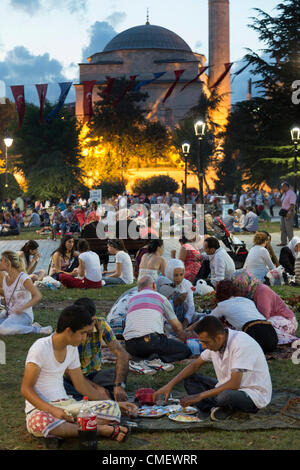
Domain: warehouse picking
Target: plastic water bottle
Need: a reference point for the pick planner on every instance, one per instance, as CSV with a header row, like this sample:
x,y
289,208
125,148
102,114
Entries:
x,y
87,427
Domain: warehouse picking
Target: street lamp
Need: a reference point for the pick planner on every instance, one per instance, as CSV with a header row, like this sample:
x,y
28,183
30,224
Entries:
x,y
295,136
185,150
8,142
199,132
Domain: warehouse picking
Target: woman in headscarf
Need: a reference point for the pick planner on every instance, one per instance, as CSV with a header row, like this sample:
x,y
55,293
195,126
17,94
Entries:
x,y
269,304
288,255
182,296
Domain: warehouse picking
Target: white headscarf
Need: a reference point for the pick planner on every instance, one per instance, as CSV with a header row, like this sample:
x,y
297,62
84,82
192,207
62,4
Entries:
x,y
173,264
294,241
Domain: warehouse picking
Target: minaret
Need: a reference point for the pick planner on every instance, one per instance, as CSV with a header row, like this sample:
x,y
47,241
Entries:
x,y
219,53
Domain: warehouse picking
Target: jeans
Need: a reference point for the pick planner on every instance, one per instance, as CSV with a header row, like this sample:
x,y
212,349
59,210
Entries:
x,y
234,400
17,324
113,280
158,346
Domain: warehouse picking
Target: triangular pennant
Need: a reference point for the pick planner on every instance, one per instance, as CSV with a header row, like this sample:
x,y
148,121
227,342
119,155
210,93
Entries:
x,y
178,74
19,97
221,78
42,92
202,70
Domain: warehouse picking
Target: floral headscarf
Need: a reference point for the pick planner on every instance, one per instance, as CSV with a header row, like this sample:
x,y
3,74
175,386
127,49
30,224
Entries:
x,y
246,282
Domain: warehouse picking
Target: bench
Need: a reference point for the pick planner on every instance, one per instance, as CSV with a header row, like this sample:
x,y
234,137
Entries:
x,y
99,245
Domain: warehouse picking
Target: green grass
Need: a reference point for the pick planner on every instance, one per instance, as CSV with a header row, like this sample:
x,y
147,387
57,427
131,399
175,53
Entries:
x,y
13,433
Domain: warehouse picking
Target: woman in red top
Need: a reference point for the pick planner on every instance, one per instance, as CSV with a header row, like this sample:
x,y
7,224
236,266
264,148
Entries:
x,y
190,257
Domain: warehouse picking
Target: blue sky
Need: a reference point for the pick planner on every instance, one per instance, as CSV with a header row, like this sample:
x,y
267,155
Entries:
x,y
42,41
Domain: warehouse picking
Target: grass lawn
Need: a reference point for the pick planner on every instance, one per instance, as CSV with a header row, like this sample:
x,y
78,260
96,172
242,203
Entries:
x,y
14,436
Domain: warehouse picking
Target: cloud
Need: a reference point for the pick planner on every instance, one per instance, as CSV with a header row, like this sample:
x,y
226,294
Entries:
x,y
116,18
198,46
100,34
20,67
29,6
33,6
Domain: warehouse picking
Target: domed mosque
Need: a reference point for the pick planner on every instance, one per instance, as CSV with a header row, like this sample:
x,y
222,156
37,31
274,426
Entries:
x,y
149,49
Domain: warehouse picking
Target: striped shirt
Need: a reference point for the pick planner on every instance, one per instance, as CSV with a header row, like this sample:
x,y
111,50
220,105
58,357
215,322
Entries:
x,y
147,312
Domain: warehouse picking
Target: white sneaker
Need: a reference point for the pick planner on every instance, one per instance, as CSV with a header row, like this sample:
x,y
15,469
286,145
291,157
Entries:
x,y
141,368
46,330
37,325
157,364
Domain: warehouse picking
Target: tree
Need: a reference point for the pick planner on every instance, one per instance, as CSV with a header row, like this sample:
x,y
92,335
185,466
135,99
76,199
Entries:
x,y
119,136
185,132
156,184
258,131
13,189
48,154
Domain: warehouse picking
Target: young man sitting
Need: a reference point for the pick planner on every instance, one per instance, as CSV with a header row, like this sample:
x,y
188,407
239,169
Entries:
x,y
42,386
110,381
243,379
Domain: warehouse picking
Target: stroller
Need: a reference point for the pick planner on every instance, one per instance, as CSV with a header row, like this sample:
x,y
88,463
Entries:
x,y
237,248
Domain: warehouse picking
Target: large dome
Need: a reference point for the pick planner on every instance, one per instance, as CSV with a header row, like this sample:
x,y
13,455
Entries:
x,y
147,36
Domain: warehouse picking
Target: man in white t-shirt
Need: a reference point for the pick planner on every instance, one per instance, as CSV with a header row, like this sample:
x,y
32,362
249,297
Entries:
x,y
243,379
47,402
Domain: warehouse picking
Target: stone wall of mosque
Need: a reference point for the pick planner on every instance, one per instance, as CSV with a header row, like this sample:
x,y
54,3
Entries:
x,y
144,63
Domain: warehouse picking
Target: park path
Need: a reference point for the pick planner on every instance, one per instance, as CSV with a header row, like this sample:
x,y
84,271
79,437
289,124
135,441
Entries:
x,y
46,247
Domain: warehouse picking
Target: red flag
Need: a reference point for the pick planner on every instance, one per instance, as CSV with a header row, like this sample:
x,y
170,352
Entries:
x,y
19,96
221,78
178,74
42,92
110,81
202,70
117,101
87,100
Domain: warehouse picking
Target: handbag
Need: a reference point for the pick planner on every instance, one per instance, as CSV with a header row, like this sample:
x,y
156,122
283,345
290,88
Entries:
x,y
283,212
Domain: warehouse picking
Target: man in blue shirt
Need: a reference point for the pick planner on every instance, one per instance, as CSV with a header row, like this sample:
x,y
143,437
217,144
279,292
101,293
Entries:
x,y
251,221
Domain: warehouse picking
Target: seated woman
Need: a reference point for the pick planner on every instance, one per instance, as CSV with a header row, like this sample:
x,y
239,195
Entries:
x,y
89,270
30,255
190,257
181,297
64,259
152,262
269,304
123,273
20,296
258,261
242,314
288,255
270,249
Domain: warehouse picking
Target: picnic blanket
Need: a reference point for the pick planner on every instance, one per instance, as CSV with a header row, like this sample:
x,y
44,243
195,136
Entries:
x,y
283,412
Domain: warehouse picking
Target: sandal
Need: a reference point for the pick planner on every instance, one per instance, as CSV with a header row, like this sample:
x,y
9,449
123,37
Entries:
x,y
117,431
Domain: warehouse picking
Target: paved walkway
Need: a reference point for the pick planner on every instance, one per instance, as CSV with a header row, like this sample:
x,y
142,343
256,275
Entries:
x,y
46,247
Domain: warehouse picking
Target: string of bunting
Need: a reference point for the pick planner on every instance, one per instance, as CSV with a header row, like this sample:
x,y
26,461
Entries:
x,y
19,92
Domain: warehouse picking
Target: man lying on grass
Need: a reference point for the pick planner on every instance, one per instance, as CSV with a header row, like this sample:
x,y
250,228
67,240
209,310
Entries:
x,y
244,382
48,406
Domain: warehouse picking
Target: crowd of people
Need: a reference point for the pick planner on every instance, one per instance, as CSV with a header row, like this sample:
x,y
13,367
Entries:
x,y
155,318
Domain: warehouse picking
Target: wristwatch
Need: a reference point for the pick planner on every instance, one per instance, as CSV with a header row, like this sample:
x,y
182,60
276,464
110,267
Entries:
x,y
121,384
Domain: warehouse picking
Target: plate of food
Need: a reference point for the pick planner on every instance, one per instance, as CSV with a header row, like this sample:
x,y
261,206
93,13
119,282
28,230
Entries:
x,y
152,411
183,418
188,410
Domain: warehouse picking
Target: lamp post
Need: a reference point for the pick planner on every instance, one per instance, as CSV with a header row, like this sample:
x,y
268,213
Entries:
x,y
199,132
185,150
295,135
8,142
